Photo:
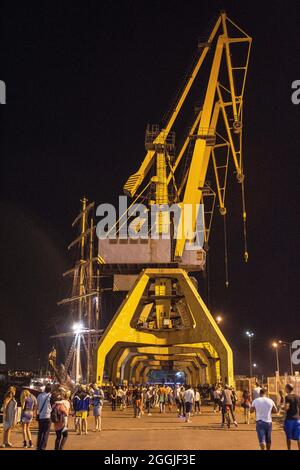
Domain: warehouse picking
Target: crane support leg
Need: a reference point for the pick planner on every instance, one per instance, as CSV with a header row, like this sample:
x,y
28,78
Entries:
x,y
203,333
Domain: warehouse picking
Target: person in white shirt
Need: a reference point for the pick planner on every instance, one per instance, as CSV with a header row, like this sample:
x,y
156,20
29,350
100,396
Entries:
x,y
44,412
256,391
189,398
263,407
197,402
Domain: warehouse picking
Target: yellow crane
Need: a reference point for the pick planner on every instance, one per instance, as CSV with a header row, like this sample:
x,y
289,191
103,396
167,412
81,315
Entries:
x,y
163,319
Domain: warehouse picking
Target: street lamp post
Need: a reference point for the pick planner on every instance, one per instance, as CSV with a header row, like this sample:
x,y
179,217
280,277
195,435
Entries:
x,y
250,335
78,329
275,346
18,345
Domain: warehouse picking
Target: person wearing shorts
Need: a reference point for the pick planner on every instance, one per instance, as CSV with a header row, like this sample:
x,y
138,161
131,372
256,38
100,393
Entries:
x,y
82,411
197,409
137,401
98,399
29,404
292,417
189,398
263,407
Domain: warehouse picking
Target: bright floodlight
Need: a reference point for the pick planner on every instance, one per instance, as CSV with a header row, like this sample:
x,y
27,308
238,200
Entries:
x,y
219,319
254,365
77,328
249,334
275,345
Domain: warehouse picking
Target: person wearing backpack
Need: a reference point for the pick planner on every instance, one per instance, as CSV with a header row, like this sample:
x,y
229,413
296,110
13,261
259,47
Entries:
x,y
83,410
77,413
43,417
59,417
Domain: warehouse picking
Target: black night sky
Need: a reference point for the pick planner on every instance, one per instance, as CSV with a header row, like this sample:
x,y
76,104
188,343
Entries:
x,y
83,80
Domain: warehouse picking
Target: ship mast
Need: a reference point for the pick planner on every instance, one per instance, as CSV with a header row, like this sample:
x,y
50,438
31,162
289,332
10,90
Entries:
x,y
85,299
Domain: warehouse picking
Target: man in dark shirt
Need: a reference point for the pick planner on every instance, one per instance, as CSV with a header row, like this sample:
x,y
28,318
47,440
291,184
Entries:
x,y
226,399
292,417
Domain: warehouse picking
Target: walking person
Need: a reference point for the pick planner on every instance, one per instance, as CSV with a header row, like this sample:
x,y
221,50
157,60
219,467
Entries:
x,y
113,397
177,399
217,399
129,395
246,405
292,417
256,391
197,409
98,400
123,399
226,400
182,405
9,416
137,401
169,397
162,393
28,407
156,397
189,398
59,416
233,398
43,417
148,399
134,397
263,407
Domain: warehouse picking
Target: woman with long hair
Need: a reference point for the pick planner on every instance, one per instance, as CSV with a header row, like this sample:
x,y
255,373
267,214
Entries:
x,y
28,406
246,404
9,415
60,415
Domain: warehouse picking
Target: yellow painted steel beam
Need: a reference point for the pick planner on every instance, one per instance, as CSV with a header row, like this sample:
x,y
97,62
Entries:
x,y
229,134
199,163
184,147
135,180
229,67
188,357
129,353
134,360
205,328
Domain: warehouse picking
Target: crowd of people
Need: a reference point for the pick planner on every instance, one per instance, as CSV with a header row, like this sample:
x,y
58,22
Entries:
x,y
163,397
51,407
55,406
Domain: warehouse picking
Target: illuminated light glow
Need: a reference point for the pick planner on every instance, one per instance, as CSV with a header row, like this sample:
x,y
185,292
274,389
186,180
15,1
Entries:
x,y
219,319
77,328
249,334
275,344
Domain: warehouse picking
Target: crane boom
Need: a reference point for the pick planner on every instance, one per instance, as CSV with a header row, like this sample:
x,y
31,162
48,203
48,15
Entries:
x,y
204,133
134,181
200,159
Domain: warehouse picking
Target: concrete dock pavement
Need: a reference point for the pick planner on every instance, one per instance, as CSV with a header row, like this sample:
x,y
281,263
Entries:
x,y
121,431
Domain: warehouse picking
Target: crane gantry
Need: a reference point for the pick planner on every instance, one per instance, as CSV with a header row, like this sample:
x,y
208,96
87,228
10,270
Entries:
x,y
163,319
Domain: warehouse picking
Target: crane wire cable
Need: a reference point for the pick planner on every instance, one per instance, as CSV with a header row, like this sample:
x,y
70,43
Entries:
x,y
246,254
225,251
